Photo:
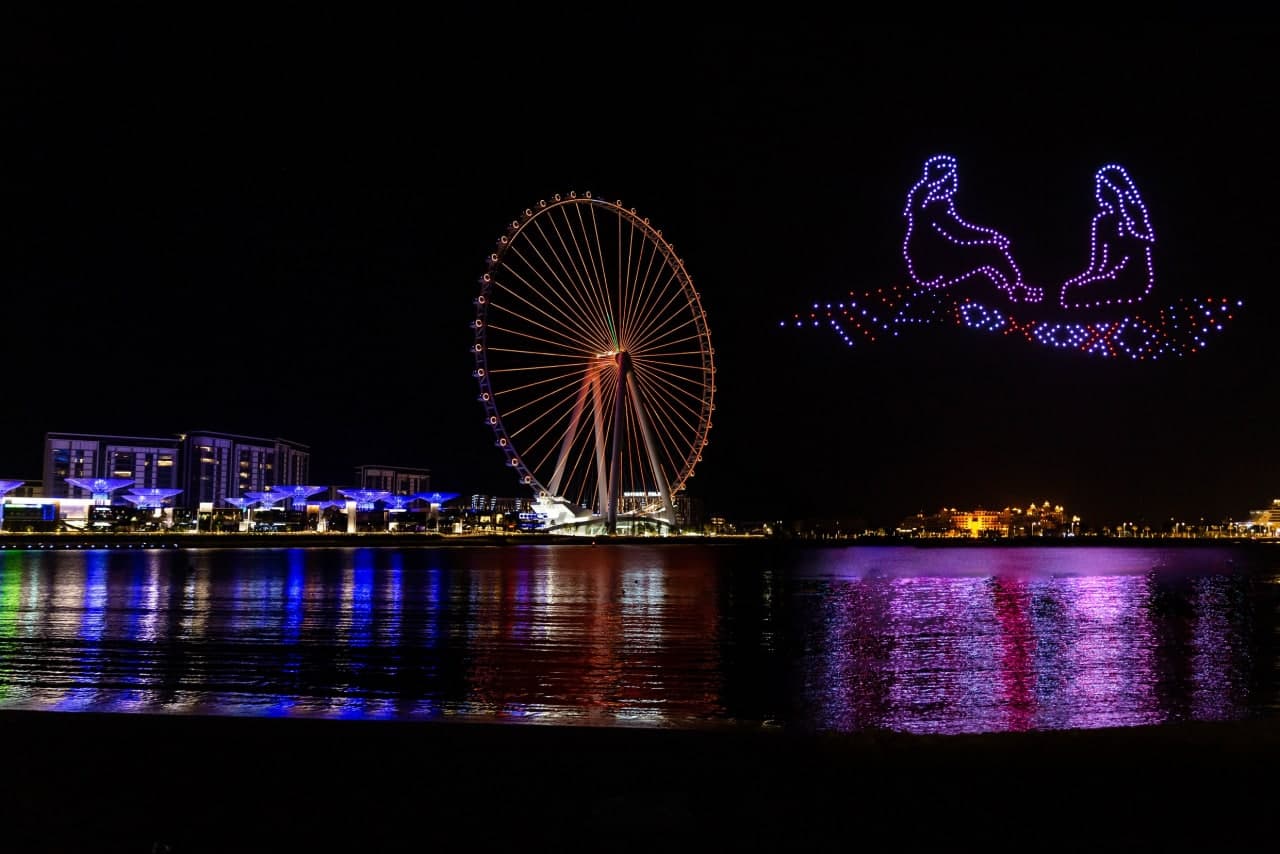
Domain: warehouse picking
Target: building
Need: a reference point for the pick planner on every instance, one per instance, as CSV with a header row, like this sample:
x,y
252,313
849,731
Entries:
x,y
1267,520
978,523
1041,520
208,466
218,466
151,463
396,480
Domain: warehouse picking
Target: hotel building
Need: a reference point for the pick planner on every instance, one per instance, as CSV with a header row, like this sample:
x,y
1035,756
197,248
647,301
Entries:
x,y
208,466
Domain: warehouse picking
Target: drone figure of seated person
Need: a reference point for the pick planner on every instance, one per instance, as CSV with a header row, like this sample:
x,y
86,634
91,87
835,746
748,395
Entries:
x,y
942,250
1120,270
957,268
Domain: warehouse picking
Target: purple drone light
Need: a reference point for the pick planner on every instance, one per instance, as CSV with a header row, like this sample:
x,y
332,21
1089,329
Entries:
x,y
943,251
1120,269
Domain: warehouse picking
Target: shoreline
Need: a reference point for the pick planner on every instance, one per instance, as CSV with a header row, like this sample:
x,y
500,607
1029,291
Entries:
x,y
241,540
133,782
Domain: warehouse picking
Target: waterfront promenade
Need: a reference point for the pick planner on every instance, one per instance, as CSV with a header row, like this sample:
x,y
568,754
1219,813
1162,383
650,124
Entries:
x,y
238,540
94,782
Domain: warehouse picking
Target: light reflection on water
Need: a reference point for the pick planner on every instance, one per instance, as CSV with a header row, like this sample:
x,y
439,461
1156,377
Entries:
x,y
918,640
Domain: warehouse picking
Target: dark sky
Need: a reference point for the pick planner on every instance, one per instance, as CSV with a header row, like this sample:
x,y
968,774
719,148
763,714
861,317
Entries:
x,y
275,227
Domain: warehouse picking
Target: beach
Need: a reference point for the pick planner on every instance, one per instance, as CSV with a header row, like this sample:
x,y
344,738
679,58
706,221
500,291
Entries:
x,y
124,782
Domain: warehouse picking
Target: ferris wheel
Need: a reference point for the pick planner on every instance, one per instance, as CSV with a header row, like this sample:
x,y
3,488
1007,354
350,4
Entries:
x,y
594,362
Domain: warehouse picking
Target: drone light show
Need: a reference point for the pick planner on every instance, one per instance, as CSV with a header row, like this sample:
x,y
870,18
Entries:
x,y
965,274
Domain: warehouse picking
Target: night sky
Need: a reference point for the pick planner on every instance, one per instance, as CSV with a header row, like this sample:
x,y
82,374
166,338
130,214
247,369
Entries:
x,y
276,227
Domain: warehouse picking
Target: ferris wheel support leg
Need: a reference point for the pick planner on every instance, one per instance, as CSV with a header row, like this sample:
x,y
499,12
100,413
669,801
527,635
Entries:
x,y
554,485
668,511
615,458
602,484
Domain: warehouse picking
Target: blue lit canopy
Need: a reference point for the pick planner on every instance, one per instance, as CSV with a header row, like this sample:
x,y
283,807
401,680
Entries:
x,y
10,485
298,493
266,499
237,502
152,497
436,497
100,487
401,502
366,498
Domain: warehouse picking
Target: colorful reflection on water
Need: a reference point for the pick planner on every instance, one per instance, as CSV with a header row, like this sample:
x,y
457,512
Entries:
x,y
918,640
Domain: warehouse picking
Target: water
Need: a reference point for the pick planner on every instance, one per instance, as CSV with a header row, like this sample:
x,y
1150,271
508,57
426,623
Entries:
x,y
926,640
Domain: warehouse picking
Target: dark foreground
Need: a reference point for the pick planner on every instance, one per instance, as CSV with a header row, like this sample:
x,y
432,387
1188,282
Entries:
x,y
86,782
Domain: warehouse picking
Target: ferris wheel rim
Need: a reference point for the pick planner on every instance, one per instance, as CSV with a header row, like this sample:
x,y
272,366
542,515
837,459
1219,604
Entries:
x,y
697,340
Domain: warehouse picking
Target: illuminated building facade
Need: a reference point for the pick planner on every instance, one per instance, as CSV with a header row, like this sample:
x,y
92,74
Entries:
x,y
7,486
396,480
977,523
148,463
219,466
1036,520
1266,520
205,466
496,504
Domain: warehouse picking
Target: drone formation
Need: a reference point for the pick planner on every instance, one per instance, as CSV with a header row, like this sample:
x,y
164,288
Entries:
x,y
966,274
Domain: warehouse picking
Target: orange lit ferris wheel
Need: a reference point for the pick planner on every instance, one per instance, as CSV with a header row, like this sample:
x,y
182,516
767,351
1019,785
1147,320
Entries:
x,y
595,364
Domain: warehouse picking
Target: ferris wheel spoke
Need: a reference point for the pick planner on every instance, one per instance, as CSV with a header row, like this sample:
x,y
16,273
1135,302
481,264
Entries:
x,y
658,346
671,410
529,336
625,307
563,388
582,288
642,276
687,370
555,288
626,475
570,328
590,240
629,261
680,384
657,315
672,457
567,285
685,377
669,421
572,424
652,452
622,282
646,280
554,360
562,289
659,318
590,382
584,480
584,270
670,425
